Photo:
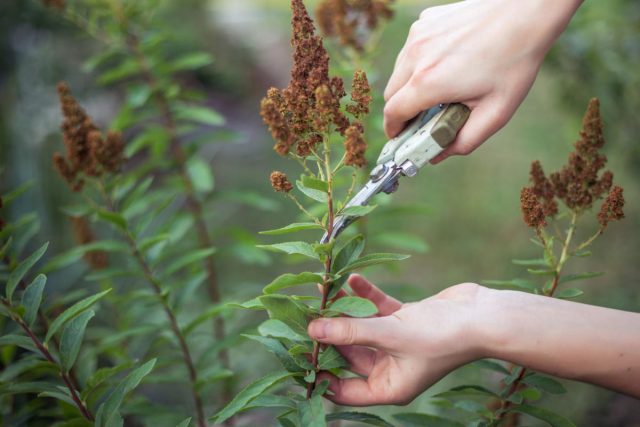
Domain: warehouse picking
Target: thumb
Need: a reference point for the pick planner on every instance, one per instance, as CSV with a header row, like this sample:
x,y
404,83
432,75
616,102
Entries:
x,y
377,332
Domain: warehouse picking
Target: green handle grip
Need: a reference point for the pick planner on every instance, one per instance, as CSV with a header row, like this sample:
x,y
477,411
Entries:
x,y
446,129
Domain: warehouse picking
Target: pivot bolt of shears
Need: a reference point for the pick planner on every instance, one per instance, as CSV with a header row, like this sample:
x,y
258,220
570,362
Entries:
x,y
378,172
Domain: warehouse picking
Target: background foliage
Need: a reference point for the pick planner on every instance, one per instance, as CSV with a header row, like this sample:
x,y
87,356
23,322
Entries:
x,y
469,216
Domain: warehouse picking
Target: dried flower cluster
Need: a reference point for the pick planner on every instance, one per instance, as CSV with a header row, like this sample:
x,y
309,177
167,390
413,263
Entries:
x,y
83,234
579,183
308,109
280,182
352,20
88,152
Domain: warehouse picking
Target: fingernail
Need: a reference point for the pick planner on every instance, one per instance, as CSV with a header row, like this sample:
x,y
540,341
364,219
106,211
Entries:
x,y
319,329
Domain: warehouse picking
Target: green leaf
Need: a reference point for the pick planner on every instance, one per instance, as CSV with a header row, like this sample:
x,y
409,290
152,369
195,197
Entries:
x,y
108,411
114,218
551,418
71,338
276,347
18,274
184,423
32,297
580,276
8,198
211,312
301,248
422,420
73,311
491,365
348,253
103,374
291,228
473,407
568,293
285,309
127,68
200,175
359,417
541,272
371,259
27,387
138,95
315,184
317,195
252,304
75,254
247,394
466,390
204,115
519,284
278,329
545,383
354,307
25,364
271,401
289,280
311,412
357,211
191,61
187,259
537,262
330,358
19,341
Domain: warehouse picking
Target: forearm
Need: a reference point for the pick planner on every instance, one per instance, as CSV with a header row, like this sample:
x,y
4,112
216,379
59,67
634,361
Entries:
x,y
570,340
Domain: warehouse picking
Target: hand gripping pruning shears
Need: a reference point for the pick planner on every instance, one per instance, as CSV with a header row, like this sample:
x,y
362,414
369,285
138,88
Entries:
x,y
424,138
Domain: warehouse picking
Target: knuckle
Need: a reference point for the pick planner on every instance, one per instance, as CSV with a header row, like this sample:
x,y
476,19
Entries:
x,y
347,332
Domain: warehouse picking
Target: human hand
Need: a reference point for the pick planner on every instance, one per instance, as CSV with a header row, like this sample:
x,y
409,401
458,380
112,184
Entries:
x,y
403,350
482,53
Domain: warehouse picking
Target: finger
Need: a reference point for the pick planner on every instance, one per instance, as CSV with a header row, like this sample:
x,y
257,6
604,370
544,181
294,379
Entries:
x,y
365,289
401,74
485,120
363,392
377,332
361,359
420,93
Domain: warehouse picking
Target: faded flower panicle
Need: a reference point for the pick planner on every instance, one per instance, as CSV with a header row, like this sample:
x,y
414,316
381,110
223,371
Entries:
x,y
355,146
532,210
97,260
578,183
309,107
280,182
543,189
360,95
351,21
612,207
87,152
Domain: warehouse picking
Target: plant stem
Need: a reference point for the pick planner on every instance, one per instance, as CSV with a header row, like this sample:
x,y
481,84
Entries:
x,y
565,255
327,281
173,322
86,413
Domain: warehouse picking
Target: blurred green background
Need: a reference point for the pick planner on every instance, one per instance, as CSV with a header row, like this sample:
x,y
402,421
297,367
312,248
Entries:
x,y
472,221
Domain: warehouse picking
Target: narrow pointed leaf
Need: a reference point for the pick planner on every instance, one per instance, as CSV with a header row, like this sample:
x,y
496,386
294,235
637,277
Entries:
x,y
317,195
331,359
289,280
290,248
71,338
32,297
421,420
520,284
545,383
278,329
204,115
188,259
358,210
551,418
580,276
246,395
311,412
71,312
359,417
276,347
21,270
371,259
568,293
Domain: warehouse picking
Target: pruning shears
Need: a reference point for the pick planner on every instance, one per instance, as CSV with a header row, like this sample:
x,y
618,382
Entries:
x,y
424,138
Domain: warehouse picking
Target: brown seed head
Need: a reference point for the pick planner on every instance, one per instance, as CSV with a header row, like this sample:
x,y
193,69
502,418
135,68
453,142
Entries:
x,y
532,210
87,152
352,21
280,182
579,183
612,208
355,146
360,95
543,189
